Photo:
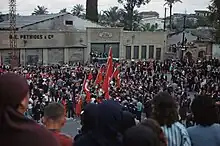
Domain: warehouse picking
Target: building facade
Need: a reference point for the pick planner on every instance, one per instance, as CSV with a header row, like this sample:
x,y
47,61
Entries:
x,y
67,39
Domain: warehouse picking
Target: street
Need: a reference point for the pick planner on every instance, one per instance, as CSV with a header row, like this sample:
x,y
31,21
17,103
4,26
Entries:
x,y
71,127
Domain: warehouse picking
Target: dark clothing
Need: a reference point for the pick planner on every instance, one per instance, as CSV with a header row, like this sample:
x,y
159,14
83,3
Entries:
x,y
109,127
16,129
128,121
29,133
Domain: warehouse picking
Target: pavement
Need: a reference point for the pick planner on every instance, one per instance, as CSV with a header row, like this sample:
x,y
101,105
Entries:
x,y
71,127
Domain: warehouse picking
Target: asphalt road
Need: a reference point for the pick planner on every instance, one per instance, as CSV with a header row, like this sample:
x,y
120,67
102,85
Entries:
x,y
71,127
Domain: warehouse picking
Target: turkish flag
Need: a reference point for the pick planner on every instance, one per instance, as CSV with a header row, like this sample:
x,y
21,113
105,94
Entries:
x,y
99,77
86,90
108,74
116,76
90,77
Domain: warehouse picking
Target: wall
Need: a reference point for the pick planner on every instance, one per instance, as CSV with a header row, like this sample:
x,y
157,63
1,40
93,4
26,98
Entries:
x,y
216,51
153,21
157,39
45,39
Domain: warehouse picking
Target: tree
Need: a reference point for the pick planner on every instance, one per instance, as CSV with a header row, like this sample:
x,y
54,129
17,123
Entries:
x,y
40,10
170,3
214,8
129,6
78,10
92,10
111,17
148,27
64,10
131,25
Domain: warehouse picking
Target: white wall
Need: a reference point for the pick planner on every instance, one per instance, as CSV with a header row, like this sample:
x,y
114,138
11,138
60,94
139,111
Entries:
x,y
153,21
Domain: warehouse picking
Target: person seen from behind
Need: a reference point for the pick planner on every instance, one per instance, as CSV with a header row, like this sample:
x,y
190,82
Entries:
x,y
140,135
150,123
206,132
54,119
165,113
16,129
88,120
108,130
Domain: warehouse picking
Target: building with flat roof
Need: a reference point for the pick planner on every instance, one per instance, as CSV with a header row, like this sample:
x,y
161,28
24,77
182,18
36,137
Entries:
x,y
64,38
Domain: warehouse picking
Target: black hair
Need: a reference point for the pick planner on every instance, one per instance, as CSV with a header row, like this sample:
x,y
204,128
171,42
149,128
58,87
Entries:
x,y
140,135
165,109
204,110
54,111
154,125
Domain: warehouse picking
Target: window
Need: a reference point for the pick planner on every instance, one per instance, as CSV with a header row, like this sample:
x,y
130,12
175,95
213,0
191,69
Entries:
x,y
104,48
151,52
143,52
158,53
128,52
136,52
69,22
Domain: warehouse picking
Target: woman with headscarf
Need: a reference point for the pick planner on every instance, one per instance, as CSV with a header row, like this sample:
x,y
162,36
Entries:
x,y
16,129
108,131
128,121
88,120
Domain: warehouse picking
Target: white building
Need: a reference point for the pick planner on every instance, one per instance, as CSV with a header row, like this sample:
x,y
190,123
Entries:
x,y
152,18
159,22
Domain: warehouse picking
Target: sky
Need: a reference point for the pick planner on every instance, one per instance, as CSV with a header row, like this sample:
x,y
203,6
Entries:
x,y
26,7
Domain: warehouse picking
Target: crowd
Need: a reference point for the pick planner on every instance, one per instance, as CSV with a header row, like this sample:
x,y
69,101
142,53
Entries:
x,y
175,103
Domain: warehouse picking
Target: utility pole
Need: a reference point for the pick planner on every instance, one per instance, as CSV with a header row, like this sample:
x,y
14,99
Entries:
x,y
183,39
165,18
12,36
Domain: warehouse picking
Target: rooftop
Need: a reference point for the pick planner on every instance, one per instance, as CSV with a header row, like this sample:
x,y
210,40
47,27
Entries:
x,y
23,21
201,11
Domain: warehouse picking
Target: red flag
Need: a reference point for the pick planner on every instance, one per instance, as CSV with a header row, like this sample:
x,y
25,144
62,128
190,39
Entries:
x,y
108,74
99,77
90,77
85,88
116,76
78,105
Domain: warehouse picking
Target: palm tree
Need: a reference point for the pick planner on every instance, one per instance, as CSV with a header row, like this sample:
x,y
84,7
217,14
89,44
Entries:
x,y
78,10
170,3
111,17
148,27
64,10
40,10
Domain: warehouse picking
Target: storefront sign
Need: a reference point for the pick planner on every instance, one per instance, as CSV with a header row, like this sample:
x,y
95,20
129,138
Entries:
x,y
105,35
33,37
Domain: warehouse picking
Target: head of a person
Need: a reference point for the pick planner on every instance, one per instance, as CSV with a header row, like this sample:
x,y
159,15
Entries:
x,y
128,121
204,110
89,117
154,125
110,117
164,109
14,95
54,116
140,136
